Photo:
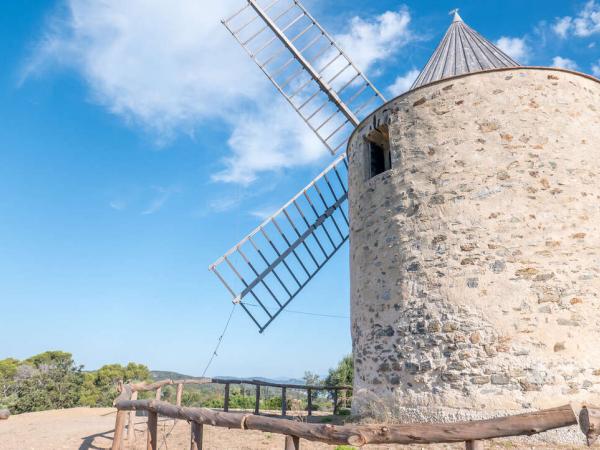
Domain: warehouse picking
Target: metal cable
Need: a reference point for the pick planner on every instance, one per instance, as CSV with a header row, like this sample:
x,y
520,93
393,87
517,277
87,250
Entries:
x,y
220,340
292,311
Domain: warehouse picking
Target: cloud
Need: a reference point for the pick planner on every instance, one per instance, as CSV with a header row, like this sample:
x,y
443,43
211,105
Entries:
x,y
161,196
265,212
596,69
162,65
564,63
146,200
403,82
268,139
370,41
171,67
516,48
562,26
117,204
585,24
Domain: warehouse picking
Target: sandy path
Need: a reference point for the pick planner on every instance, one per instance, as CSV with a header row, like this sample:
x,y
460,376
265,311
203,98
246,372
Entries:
x,y
92,428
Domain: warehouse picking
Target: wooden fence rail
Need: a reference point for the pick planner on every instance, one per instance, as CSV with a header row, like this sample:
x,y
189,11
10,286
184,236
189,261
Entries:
x,y
359,435
132,389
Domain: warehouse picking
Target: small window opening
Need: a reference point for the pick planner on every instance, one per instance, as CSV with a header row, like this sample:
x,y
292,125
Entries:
x,y
379,156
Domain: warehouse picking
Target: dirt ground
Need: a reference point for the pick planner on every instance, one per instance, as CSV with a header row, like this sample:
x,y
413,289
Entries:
x,y
92,428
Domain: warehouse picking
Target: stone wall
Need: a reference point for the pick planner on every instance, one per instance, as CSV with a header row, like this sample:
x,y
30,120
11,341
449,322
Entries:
x,y
475,261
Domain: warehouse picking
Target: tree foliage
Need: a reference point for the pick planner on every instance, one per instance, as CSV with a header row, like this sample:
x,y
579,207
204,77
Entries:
x,y
99,386
343,374
52,380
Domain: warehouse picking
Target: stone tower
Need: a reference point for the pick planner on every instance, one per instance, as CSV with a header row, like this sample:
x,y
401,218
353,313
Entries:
x,y
475,241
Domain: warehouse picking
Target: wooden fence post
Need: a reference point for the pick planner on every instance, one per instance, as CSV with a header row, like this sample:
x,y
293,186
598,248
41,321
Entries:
x,y
131,422
309,402
196,439
119,430
292,443
257,403
283,401
152,442
179,393
335,402
474,445
226,400
158,393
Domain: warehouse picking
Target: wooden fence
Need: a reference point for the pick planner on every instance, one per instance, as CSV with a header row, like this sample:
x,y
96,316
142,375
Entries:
x,y
472,433
227,382
130,392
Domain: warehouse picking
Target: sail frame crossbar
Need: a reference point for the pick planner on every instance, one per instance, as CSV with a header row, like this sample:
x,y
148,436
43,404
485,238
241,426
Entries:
x,y
314,75
273,263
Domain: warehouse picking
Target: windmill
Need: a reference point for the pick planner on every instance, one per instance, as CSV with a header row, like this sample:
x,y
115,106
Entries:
x,y
272,264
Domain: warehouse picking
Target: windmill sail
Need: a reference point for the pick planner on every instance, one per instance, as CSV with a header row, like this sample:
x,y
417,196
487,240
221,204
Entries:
x,y
307,67
271,265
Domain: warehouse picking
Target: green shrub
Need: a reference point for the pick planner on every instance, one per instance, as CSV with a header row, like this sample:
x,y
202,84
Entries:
x,y
52,380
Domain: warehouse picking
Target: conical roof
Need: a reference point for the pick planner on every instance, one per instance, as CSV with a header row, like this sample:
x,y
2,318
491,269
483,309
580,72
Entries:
x,y
461,51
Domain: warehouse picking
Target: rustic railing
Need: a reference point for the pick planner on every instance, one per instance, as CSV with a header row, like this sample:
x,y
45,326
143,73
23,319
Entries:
x,y
158,385
130,392
472,433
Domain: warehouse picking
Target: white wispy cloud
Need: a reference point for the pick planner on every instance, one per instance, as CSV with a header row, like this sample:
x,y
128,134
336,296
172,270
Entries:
x,y
562,26
160,197
515,47
268,139
586,23
143,200
369,41
163,65
564,63
403,82
265,212
117,204
169,67
596,69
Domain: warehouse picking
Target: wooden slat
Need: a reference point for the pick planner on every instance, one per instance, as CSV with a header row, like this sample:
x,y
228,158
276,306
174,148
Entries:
x,y
119,430
292,443
179,393
335,402
309,398
257,400
284,401
226,399
144,386
131,422
474,445
196,436
152,442
589,422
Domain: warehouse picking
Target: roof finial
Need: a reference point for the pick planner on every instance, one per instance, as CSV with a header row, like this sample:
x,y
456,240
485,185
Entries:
x,y
457,17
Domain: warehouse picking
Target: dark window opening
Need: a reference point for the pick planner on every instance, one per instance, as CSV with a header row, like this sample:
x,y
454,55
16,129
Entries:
x,y
379,155
378,158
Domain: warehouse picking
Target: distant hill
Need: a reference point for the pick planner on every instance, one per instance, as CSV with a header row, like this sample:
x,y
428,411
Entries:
x,y
165,374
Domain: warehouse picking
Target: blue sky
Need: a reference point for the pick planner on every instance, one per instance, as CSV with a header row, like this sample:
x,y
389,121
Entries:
x,y
134,152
